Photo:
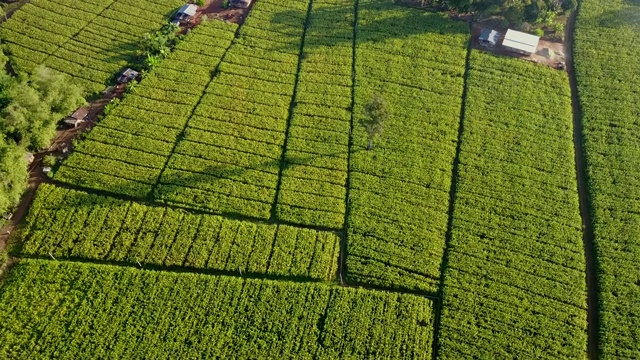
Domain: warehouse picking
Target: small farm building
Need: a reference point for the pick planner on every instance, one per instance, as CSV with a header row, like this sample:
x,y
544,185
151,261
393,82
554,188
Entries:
x,y
185,13
520,42
243,4
77,118
488,37
127,75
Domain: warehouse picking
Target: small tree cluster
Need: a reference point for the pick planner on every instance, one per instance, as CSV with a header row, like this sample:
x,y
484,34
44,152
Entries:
x,y
376,114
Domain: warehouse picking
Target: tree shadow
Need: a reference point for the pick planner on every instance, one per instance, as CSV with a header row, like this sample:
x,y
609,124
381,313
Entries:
x,y
391,22
625,17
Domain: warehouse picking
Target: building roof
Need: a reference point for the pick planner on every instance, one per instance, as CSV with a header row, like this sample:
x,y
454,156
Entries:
x,y
188,9
489,35
520,41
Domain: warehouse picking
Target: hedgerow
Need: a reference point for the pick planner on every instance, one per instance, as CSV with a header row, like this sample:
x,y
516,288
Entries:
x,y
399,191
52,308
72,224
514,284
606,67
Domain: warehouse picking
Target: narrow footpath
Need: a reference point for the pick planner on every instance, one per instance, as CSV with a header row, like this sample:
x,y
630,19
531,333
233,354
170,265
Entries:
x,y
585,206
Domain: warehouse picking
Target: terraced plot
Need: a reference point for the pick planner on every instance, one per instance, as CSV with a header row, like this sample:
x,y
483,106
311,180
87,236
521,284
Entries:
x,y
514,283
70,224
126,153
90,40
228,161
607,68
52,308
399,191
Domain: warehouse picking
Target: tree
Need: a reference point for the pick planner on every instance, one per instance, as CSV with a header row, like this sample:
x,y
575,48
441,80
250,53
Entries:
x,y
13,174
376,114
36,106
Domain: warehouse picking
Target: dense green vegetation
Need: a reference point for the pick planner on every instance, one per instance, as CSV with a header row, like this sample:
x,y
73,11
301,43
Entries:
x,y
90,40
73,224
313,188
128,150
514,283
52,309
399,191
607,68
30,108
228,161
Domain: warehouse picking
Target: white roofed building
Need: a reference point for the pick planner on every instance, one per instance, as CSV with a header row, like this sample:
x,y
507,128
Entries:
x,y
520,42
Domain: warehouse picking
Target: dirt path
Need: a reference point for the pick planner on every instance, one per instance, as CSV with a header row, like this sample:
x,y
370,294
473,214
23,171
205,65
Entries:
x,y
60,145
585,208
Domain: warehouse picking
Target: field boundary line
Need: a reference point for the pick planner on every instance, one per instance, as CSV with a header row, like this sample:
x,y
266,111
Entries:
x,y
342,255
582,179
292,105
452,196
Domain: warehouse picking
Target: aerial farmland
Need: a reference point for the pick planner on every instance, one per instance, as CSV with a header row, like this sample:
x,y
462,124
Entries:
x,y
320,179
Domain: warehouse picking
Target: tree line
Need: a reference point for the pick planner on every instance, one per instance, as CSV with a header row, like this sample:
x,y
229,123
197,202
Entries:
x,y
30,108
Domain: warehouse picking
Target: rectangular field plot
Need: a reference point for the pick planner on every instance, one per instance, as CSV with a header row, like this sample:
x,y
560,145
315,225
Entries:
x,y
229,159
128,150
74,224
90,40
81,310
399,192
607,68
514,284
313,184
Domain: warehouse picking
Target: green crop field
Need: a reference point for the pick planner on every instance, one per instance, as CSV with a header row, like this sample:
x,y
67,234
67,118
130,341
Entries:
x,y
103,311
607,68
514,281
229,205
91,40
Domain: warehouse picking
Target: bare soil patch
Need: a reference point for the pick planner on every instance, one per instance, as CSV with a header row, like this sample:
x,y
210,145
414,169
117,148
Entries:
x,y
213,10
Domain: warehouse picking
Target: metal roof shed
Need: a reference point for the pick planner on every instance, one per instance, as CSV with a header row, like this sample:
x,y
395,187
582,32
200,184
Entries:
x,y
187,11
520,42
488,37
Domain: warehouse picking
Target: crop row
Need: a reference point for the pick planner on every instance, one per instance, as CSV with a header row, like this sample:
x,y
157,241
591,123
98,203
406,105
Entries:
x,y
73,224
52,308
606,66
313,184
90,41
399,190
235,138
514,284
127,151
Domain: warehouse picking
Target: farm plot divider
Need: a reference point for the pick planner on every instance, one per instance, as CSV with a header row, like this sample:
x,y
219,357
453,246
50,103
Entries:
x,y
70,224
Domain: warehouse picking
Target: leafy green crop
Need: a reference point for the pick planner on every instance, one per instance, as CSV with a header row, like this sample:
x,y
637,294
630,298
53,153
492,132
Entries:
x,y
399,195
606,65
127,151
81,310
73,224
89,40
514,283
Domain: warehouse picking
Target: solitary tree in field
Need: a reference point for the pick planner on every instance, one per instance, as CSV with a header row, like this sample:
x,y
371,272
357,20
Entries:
x,y
376,114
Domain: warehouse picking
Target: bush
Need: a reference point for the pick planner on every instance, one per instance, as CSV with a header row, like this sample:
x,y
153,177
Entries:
x,y
569,5
49,161
539,32
200,2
